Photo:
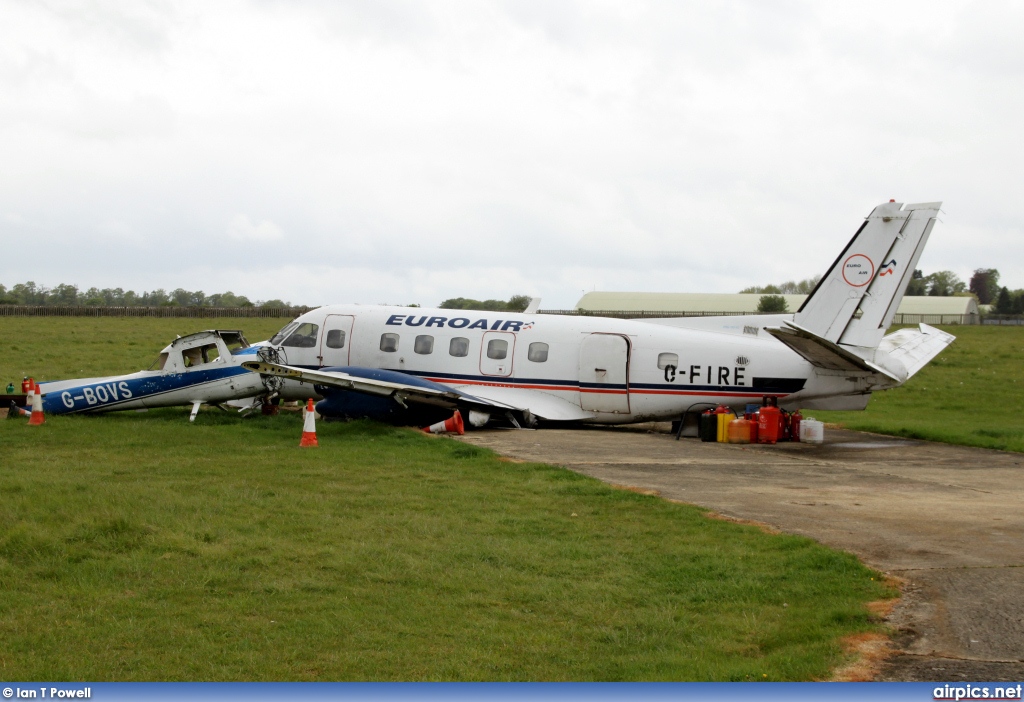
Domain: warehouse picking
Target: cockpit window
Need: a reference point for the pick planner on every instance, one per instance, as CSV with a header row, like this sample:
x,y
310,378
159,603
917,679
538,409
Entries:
x,y
304,337
281,335
200,354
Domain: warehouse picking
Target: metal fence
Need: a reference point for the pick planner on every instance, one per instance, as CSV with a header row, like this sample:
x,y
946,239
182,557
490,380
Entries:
x,y
936,319
169,311
1010,320
647,314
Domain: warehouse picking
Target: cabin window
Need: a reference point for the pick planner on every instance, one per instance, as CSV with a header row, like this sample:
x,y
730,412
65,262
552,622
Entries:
x,y
389,342
668,359
459,346
497,348
159,363
200,354
304,337
424,344
538,352
283,334
336,339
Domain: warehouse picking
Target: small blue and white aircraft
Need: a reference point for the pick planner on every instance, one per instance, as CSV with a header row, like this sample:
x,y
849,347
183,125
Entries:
x,y
412,365
204,367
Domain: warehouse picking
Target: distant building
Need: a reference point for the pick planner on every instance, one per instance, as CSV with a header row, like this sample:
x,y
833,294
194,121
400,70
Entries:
x,y
912,309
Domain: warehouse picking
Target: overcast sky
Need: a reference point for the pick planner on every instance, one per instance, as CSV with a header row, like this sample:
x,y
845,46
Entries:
x,y
390,151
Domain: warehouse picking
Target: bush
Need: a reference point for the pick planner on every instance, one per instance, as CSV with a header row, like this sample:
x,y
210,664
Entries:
x,y
772,304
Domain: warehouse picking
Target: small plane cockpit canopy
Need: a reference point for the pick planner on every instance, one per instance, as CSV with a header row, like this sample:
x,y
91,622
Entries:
x,y
199,349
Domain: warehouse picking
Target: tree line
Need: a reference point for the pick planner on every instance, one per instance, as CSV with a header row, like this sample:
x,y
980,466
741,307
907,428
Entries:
x,y
984,285
69,295
516,303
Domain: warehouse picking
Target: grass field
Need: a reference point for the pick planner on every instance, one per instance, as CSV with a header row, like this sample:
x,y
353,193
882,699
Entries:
x,y
135,546
972,394
55,348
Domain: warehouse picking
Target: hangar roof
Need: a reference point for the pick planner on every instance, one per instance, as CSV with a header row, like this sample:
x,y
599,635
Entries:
x,y
740,303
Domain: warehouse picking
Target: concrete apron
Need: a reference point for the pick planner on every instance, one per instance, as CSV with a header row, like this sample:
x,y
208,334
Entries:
x,y
948,519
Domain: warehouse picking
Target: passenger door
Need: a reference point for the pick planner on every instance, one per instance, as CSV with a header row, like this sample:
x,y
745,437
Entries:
x,y
496,353
336,341
604,373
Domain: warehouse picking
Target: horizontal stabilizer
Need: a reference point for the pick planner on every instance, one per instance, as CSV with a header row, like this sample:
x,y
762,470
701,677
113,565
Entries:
x,y
912,349
821,352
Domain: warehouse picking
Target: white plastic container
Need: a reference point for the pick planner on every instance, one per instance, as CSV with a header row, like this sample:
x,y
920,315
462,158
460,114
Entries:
x,y
812,431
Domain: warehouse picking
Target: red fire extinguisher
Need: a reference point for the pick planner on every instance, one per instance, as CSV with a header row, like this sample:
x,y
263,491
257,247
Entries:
x,y
783,425
794,425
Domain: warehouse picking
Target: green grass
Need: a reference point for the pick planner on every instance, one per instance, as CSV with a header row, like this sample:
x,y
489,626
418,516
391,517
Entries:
x,y
137,546
972,394
55,348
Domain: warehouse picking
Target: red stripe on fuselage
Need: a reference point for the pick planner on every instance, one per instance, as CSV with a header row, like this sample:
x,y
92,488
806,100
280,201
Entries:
x,y
631,391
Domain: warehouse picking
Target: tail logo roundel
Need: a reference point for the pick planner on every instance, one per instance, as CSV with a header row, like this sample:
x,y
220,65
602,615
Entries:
x,y
858,270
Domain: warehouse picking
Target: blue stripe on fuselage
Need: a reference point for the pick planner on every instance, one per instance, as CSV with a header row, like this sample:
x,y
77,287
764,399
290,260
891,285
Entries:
x,y
110,392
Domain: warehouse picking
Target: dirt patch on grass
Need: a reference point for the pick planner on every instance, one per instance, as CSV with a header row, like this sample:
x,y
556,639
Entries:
x,y
766,528
883,608
638,490
870,650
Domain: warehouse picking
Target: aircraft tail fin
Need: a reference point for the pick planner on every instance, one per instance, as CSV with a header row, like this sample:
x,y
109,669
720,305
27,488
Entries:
x,y
856,300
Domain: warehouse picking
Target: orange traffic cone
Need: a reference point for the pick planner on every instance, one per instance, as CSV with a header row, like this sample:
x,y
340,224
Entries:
x,y
309,426
37,417
448,426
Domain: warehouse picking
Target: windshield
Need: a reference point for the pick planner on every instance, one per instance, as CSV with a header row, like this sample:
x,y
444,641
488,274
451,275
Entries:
x,y
304,337
280,336
234,341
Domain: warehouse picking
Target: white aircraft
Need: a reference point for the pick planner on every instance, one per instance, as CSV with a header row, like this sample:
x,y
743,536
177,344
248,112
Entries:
x,y
412,365
204,367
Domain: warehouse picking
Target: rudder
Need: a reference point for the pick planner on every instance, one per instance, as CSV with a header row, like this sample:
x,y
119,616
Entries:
x,y
856,300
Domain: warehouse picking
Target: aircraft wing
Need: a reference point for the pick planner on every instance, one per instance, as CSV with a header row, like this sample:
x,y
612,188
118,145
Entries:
x,y
541,404
484,398
400,392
